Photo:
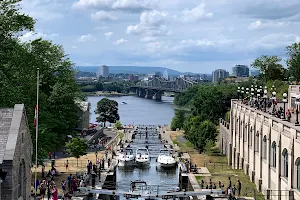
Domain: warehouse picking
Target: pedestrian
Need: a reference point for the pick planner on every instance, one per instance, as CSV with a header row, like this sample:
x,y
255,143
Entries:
x,y
50,155
36,184
63,186
43,188
54,193
67,165
233,189
229,182
239,188
69,182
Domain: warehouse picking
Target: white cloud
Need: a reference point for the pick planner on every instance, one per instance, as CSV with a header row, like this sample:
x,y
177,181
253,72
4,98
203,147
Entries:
x,y
195,14
108,35
120,41
29,36
151,23
74,47
261,25
148,39
121,5
86,38
276,40
103,16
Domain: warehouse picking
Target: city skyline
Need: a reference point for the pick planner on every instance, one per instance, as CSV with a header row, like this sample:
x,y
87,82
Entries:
x,y
185,36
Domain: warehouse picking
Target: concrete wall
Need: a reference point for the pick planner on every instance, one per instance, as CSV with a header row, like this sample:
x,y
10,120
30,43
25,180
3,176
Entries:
x,y
251,135
224,136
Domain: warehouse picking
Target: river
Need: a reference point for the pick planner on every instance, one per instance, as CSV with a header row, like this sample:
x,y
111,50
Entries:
x,y
139,110
143,111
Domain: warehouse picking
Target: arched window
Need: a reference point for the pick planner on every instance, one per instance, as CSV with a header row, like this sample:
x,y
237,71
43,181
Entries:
x,y
250,136
256,144
297,172
285,159
264,155
274,154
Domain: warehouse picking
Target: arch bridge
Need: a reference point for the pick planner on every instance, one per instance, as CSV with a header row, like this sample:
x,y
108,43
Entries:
x,y
154,88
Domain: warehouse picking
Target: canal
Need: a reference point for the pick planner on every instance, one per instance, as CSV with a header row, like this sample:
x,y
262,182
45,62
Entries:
x,y
139,110
144,111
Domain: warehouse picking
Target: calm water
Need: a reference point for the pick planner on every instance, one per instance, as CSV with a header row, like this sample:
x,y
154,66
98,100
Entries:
x,y
144,111
139,110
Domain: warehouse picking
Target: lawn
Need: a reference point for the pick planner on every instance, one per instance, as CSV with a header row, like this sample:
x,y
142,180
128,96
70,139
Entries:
x,y
217,166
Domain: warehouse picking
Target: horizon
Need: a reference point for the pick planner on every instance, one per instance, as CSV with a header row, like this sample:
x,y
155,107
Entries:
x,y
150,32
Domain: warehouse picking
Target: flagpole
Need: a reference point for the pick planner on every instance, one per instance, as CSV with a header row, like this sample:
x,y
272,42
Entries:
x,y
37,125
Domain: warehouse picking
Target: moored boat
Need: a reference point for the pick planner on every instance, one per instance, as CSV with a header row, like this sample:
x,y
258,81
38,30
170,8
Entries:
x,y
126,157
166,158
142,156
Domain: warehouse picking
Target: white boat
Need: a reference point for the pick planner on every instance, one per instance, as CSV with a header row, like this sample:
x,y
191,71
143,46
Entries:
x,y
126,157
142,156
166,159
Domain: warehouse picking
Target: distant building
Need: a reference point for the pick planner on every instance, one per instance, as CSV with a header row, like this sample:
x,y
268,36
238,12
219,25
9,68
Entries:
x,y
240,71
166,75
15,154
133,78
103,71
219,74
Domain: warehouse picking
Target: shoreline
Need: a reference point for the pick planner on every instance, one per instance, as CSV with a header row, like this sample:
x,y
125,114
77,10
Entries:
x,y
106,94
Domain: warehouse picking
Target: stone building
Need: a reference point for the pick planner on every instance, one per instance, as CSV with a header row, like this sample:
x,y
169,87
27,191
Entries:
x,y
15,154
266,148
84,114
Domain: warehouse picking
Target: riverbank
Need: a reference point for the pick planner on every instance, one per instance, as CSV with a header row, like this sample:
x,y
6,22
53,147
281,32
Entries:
x,y
217,166
107,94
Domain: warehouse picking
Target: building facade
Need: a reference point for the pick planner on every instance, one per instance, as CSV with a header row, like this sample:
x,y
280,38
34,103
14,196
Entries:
x,y
103,71
15,154
84,114
240,71
266,148
219,74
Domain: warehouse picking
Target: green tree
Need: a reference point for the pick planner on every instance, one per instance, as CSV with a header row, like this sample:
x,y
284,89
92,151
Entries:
x,y
99,86
293,61
118,125
210,144
178,120
206,132
269,67
77,147
107,110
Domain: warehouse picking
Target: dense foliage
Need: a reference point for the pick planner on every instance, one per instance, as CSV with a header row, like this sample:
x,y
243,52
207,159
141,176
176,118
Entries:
x,y
178,120
77,147
18,75
107,110
101,85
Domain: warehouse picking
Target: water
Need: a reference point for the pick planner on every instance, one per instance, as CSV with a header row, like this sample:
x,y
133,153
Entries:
x,y
144,111
139,110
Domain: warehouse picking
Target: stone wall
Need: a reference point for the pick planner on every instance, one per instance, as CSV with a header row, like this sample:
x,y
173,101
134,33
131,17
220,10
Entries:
x,y
224,137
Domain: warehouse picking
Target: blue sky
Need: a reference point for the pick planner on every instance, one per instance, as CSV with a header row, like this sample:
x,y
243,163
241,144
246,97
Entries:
x,y
185,35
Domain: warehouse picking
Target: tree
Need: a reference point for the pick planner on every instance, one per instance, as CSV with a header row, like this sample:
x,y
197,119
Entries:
x,y
269,67
207,131
118,125
208,147
178,120
293,62
107,110
77,147
99,86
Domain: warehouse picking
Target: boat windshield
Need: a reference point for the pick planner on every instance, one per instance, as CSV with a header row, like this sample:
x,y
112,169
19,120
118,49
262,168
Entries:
x,y
142,151
165,152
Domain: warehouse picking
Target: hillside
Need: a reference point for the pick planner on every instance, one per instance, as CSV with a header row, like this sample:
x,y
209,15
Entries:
x,y
130,70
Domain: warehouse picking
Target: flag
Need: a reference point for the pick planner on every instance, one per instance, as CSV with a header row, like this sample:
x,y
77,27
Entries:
x,y
35,114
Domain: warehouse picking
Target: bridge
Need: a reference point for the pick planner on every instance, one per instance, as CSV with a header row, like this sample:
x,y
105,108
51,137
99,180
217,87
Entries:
x,y
154,88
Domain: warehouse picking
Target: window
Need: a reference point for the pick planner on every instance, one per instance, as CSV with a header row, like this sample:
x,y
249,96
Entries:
x,y
274,154
285,168
256,142
264,155
297,171
250,136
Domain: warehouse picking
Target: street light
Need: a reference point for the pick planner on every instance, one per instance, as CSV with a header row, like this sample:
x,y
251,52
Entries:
x,y
297,102
284,102
243,91
273,98
252,95
258,98
238,92
265,98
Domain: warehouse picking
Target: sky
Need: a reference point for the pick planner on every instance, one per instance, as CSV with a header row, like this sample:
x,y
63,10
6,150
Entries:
x,y
184,35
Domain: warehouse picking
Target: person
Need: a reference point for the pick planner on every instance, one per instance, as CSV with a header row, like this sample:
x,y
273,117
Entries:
x,y
67,165
36,184
43,188
239,187
63,186
54,193
70,182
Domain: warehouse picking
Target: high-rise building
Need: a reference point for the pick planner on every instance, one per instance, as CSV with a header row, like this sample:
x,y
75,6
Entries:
x,y
103,71
219,74
240,71
166,75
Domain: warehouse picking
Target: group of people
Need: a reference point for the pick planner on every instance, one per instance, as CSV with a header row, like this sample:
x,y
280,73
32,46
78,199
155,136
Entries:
x,y
46,188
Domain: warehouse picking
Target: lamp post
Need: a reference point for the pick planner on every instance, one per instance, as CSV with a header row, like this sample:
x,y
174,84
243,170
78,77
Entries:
x,y
258,98
243,92
96,153
297,102
252,95
284,102
273,98
265,98
238,92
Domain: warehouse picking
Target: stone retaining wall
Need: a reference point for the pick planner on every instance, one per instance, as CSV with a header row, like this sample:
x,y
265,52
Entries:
x,y
224,137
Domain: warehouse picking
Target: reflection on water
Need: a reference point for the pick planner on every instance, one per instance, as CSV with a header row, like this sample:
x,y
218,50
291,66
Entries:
x,y
139,110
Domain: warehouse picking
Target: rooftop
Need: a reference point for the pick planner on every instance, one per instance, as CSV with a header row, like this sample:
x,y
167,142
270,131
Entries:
x,y
6,115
